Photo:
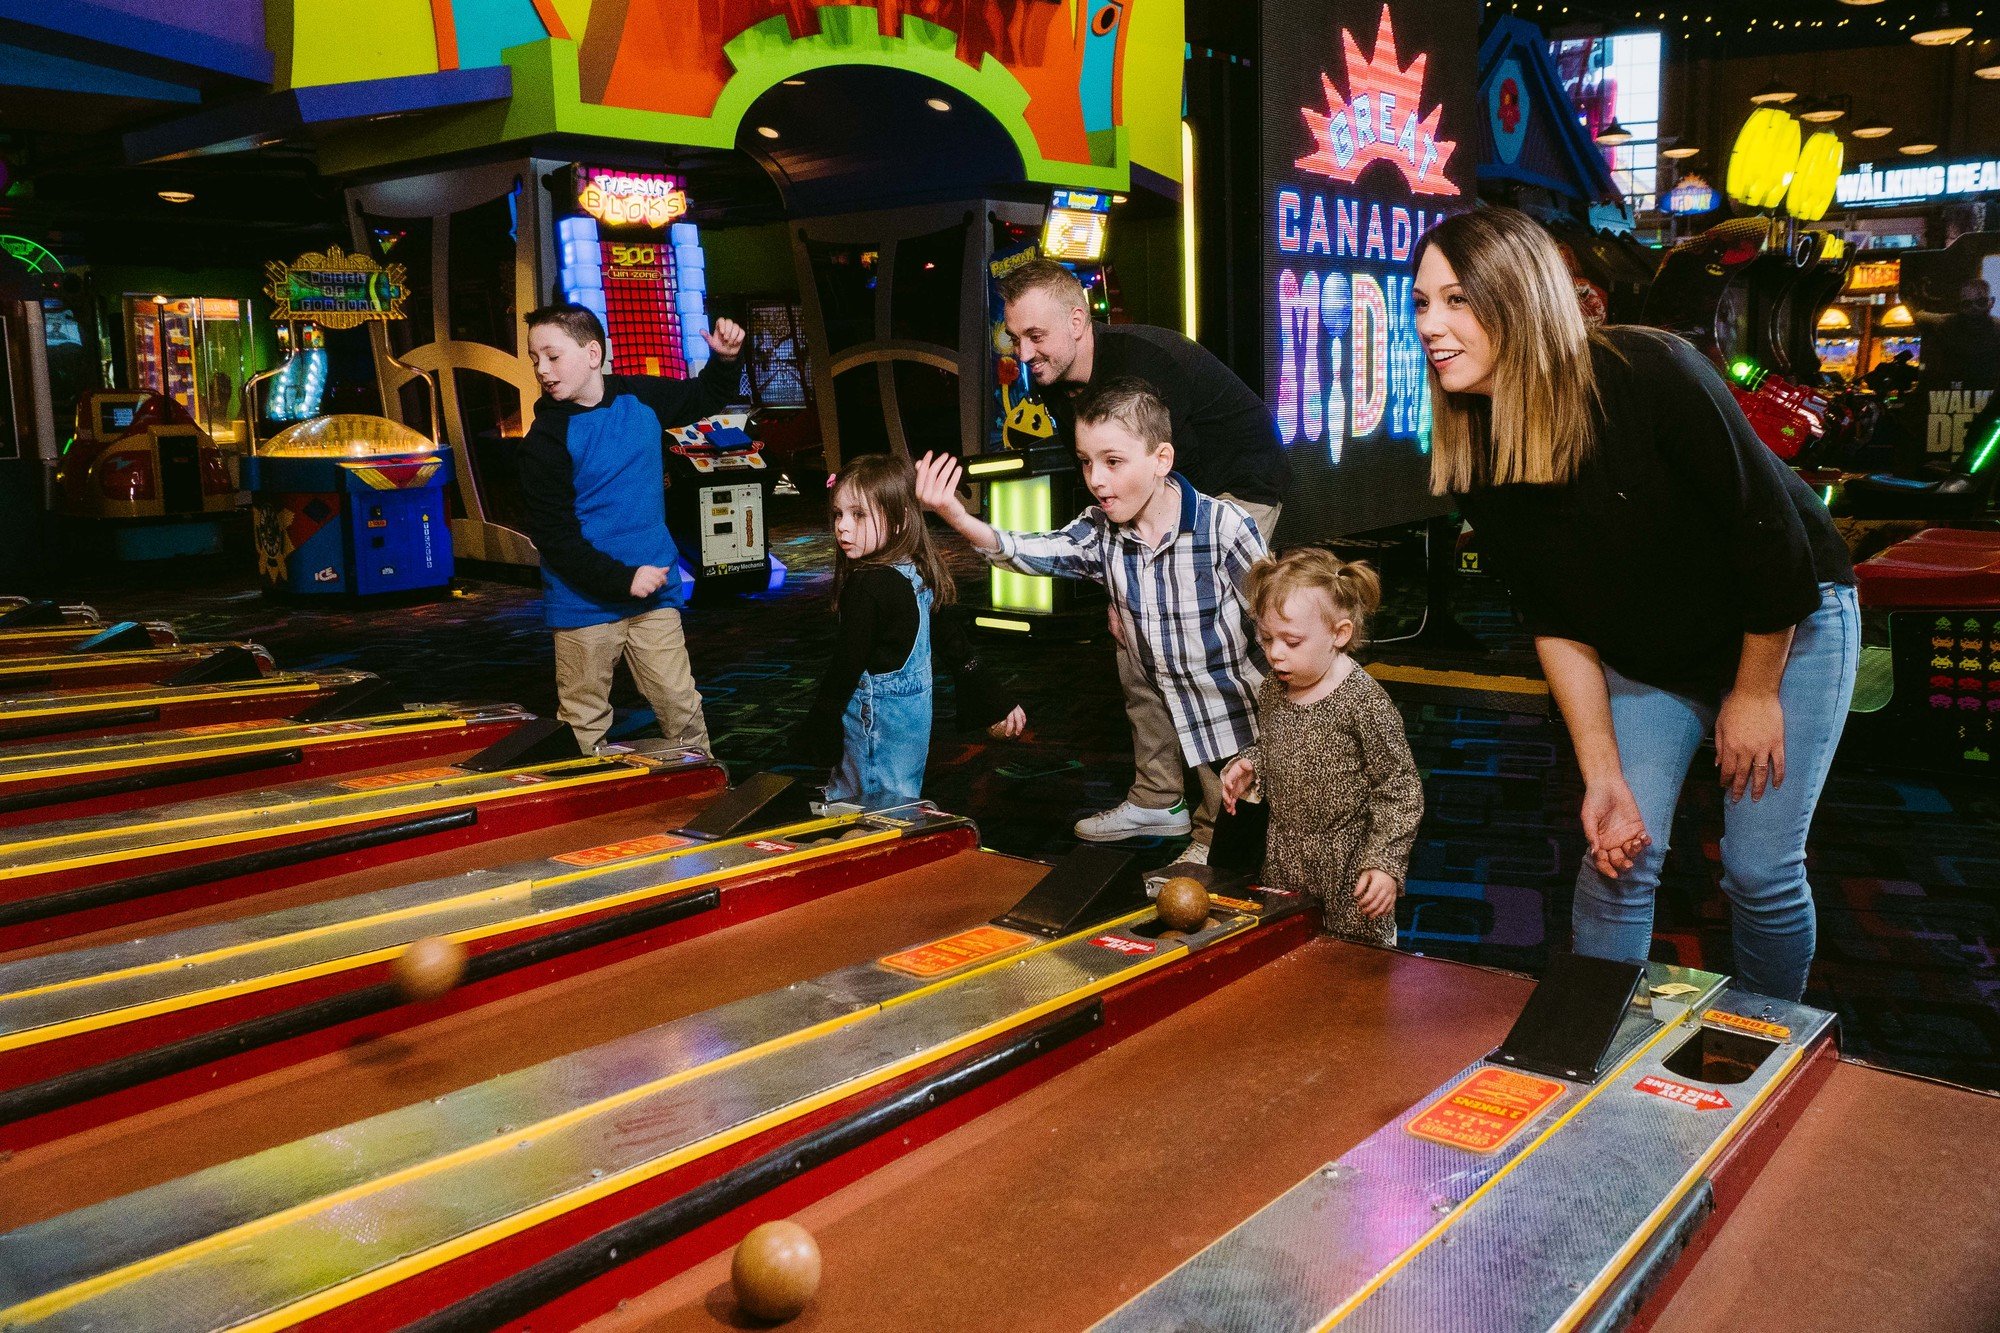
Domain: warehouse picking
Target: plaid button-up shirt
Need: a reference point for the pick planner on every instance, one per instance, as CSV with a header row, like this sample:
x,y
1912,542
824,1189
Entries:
x,y
1181,604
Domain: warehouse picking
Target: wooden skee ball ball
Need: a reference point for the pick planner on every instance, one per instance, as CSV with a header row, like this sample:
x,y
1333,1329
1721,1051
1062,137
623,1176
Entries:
x,y
776,1270
428,967
1183,903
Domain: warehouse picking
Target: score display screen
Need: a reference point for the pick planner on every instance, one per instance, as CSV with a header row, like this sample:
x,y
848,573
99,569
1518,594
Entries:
x,y
1078,226
1368,142
639,309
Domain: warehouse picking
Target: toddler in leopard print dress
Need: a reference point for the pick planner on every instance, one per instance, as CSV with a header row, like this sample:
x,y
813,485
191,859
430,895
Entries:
x,y
1331,756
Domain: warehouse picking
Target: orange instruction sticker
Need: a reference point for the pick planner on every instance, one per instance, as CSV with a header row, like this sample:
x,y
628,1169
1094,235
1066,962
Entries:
x,y
1485,1110
1235,904
398,779
619,851
947,955
1722,1018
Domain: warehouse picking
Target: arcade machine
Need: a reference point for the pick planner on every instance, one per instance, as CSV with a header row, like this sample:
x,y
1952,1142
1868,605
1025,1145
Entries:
x,y
350,504
1031,479
142,456
193,350
1753,306
625,256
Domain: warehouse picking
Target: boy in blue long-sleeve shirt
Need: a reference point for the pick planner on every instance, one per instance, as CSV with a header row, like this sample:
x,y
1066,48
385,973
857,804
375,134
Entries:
x,y
592,475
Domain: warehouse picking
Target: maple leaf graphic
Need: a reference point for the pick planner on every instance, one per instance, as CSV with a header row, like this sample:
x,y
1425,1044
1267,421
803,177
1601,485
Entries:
x,y
1372,123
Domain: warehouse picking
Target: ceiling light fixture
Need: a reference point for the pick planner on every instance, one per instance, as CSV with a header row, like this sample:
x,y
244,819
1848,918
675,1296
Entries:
x,y
1679,154
1614,134
1874,129
767,131
1941,30
1917,149
795,83
177,196
1775,93
1823,111
937,104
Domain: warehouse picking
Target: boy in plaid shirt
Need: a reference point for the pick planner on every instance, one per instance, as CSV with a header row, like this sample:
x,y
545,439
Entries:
x,y
1174,561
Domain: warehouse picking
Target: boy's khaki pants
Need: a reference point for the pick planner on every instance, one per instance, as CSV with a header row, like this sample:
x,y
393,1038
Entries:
x,y
656,651
1159,776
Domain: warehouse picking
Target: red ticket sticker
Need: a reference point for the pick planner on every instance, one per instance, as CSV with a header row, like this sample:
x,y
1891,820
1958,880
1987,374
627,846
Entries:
x,y
528,779
956,951
375,780
1119,944
620,851
1722,1018
1485,1110
334,729
772,845
1681,1094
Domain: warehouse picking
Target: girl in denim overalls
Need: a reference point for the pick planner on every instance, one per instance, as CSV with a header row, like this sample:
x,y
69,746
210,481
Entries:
x,y
871,719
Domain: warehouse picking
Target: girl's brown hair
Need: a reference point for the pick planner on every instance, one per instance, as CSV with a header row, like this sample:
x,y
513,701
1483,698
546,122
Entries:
x,y
888,485
1539,423
1351,588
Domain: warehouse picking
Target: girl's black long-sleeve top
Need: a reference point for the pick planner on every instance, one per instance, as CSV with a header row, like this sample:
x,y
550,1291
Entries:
x,y
878,627
1679,534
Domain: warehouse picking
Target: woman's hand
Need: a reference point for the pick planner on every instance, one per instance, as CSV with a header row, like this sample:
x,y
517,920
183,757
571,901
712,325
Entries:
x,y
1375,893
1613,826
1750,743
1237,780
1009,726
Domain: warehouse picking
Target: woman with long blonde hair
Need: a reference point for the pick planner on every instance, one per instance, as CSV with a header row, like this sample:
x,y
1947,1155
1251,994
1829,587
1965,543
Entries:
x,y
1680,582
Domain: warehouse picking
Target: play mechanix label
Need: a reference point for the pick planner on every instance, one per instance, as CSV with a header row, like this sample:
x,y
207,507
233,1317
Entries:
x,y
948,955
1485,1110
377,780
619,851
1680,1094
1722,1018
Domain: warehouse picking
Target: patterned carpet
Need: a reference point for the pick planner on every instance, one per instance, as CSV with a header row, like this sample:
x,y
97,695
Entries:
x,y
1906,866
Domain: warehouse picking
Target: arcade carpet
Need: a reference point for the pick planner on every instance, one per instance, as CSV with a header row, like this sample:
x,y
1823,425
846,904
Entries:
x,y
1908,885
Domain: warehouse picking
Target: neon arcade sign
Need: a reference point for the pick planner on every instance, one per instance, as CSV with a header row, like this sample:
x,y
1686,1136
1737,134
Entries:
x,y
630,199
1869,187
1350,361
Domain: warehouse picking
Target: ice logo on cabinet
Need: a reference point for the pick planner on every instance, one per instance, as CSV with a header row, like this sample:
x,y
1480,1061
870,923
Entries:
x,y
1379,119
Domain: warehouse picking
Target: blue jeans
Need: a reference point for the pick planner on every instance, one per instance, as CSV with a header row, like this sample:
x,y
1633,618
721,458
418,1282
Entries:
x,y
1763,841
886,728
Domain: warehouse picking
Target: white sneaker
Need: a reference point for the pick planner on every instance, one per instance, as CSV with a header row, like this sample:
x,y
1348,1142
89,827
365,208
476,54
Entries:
x,y
1135,821
1194,854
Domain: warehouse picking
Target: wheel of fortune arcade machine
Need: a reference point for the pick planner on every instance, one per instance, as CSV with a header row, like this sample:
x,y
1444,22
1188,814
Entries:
x,y
350,504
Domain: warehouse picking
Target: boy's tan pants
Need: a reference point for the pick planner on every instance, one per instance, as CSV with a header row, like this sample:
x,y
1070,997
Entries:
x,y
656,651
1159,776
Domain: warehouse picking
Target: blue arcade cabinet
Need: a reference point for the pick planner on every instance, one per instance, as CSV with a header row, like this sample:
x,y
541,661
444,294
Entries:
x,y
350,504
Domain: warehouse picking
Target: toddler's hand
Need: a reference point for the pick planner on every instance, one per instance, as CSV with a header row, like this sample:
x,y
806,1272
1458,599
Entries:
x,y
1009,726
647,580
725,340
937,485
1375,893
1237,780
1117,626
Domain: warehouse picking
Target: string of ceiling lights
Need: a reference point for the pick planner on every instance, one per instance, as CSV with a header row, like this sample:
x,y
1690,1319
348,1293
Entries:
x,y
1941,24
